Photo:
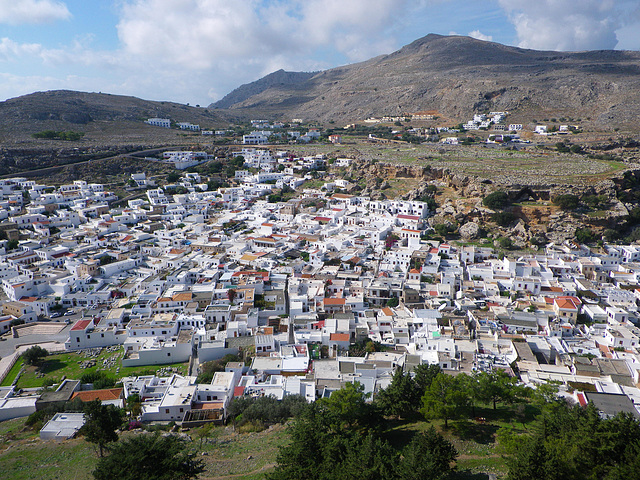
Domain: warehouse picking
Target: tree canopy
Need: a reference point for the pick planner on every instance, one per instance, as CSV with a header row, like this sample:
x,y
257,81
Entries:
x,y
445,398
101,423
575,443
34,355
149,457
496,200
330,440
401,398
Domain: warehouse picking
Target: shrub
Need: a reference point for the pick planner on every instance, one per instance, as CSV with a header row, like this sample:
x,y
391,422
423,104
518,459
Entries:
x,y
34,355
576,149
566,202
503,218
584,235
505,242
496,200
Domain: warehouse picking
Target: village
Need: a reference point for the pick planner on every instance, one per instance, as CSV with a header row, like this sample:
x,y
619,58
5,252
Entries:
x,y
312,291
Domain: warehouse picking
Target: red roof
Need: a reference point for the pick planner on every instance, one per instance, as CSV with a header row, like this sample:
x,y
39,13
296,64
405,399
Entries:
x,y
583,401
102,395
339,337
334,301
238,391
80,325
568,303
409,217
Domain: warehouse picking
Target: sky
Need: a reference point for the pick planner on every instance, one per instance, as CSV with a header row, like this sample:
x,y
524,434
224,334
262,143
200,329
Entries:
x,y
197,51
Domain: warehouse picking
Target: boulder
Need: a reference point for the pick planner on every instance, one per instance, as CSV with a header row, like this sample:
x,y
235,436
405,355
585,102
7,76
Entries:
x,y
470,231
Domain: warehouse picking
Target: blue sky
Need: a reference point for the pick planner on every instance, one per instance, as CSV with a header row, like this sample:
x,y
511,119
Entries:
x,y
196,51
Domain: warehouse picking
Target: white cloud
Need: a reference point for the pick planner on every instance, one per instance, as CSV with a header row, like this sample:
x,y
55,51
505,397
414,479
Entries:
x,y
568,25
198,34
10,50
17,12
223,44
477,34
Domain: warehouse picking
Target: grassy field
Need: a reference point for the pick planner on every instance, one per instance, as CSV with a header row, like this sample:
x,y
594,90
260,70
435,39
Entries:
x,y
69,365
23,456
530,165
247,456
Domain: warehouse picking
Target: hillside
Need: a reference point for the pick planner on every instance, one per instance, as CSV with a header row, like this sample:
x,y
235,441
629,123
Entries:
x,y
458,76
276,79
112,119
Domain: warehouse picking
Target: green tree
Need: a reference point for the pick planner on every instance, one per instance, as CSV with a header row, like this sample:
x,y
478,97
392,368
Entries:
x,y
101,424
505,242
12,244
304,456
401,397
584,235
428,456
320,450
172,177
503,218
347,407
575,443
496,200
424,375
134,405
495,386
576,149
34,355
566,201
149,457
215,167
393,302
446,398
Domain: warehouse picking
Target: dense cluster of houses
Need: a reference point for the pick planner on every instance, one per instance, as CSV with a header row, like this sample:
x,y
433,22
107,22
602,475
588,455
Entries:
x,y
319,290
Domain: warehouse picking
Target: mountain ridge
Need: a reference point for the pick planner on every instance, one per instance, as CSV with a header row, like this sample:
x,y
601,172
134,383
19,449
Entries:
x,y
459,76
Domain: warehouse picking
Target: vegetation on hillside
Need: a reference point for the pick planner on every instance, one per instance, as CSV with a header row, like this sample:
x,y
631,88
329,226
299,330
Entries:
x,y
56,135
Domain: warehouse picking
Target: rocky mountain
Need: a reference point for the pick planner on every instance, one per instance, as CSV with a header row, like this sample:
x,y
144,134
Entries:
x,y
278,79
456,76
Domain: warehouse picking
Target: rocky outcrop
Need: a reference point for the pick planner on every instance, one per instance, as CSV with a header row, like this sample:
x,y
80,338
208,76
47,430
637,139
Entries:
x,y
470,231
537,221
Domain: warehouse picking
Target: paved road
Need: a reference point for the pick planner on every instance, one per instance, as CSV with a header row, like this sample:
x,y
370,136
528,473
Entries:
x,y
9,345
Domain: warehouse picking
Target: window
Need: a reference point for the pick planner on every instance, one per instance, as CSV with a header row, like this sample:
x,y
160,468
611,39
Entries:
x,y
77,339
168,354
166,410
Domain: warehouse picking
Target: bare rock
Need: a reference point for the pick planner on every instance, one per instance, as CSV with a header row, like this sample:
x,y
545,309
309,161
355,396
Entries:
x,y
470,231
